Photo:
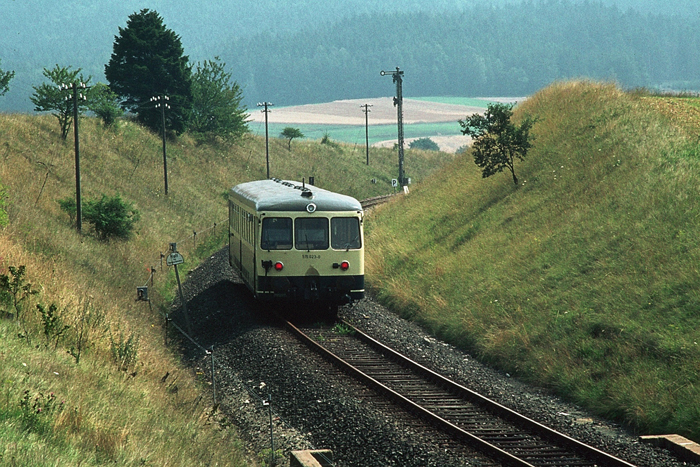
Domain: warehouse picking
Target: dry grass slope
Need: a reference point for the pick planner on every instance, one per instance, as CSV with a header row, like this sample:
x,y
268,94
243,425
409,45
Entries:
x,y
119,410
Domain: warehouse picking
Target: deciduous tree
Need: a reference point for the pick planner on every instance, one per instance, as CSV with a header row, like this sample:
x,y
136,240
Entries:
x,y
5,77
50,97
290,133
498,142
104,103
216,102
148,60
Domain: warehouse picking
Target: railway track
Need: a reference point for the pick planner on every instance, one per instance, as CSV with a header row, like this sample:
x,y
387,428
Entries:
x,y
498,432
377,200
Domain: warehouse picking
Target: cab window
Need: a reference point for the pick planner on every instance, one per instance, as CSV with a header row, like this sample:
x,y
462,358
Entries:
x,y
311,233
345,233
276,233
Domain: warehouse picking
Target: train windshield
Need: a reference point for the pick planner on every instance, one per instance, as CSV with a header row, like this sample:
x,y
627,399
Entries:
x,y
311,233
345,233
276,233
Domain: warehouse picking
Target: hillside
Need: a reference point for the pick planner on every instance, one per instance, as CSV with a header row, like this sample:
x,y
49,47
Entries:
x,y
105,389
510,50
584,278
315,51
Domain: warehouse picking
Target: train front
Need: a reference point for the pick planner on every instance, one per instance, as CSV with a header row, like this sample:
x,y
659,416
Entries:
x,y
311,249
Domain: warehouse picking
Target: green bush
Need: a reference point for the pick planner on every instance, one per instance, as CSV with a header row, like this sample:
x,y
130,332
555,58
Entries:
x,y
425,144
111,216
104,103
68,205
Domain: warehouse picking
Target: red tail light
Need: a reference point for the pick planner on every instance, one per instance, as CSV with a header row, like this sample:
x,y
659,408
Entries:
x,y
344,265
279,266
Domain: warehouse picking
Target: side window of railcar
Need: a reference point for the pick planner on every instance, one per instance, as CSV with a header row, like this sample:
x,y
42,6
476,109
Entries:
x,y
311,233
276,233
345,233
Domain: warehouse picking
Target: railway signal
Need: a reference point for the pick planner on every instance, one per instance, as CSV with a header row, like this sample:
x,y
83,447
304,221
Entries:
x,y
398,103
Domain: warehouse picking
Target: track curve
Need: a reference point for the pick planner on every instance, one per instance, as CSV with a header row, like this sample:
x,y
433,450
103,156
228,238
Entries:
x,y
495,430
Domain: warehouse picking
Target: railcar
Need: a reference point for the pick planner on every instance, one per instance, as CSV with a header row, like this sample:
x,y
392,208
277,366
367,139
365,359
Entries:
x,y
295,242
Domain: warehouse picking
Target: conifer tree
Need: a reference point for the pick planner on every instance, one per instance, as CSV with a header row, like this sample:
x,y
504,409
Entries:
x,y
148,60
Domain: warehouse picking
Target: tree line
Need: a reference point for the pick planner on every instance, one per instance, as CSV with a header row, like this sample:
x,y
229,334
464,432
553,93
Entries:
x,y
148,69
512,50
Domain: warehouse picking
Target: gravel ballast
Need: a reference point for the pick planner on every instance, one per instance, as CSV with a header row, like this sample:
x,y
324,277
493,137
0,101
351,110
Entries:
x,y
315,406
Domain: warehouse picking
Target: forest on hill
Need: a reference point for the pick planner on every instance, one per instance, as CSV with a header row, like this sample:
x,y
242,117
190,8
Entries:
x,y
315,51
510,51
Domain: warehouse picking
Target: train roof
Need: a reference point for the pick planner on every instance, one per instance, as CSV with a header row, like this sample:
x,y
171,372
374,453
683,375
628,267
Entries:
x,y
286,195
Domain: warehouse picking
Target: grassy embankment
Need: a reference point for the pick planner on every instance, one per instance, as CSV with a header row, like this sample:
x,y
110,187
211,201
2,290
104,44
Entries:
x,y
585,278
109,405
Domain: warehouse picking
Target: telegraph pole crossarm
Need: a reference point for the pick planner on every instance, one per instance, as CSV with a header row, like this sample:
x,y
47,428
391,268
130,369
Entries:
x,y
398,103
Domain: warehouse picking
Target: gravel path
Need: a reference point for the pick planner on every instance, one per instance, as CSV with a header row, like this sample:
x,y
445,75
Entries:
x,y
316,406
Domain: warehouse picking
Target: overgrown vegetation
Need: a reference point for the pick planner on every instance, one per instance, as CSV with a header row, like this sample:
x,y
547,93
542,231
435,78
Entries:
x,y
56,96
110,215
584,279
426,144
69,322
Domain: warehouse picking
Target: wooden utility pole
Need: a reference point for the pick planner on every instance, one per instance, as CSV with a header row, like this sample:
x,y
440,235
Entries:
x,y
78,200
162,102
267,147
76,136
366,111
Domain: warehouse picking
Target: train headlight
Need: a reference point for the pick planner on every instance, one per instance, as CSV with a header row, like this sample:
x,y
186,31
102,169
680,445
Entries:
x,y
279,266
344,265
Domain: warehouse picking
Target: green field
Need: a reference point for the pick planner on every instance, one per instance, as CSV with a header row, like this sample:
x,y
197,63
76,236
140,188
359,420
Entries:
x,y
355,134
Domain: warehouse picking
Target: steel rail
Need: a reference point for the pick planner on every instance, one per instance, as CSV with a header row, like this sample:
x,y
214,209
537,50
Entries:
x,y
498,410
485,447
375,201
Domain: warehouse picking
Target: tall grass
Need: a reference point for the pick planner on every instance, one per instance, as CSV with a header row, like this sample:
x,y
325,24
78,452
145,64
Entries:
x,y
106,369
584,278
